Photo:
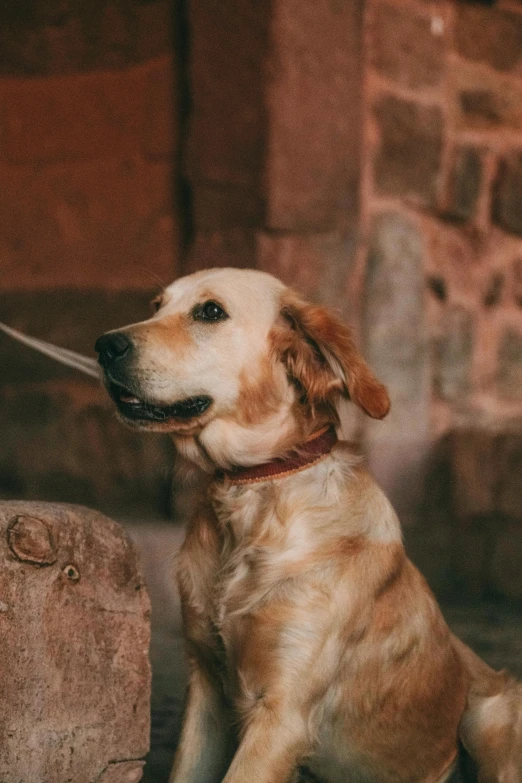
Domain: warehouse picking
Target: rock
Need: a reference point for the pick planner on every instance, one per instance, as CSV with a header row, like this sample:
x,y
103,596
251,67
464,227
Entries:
x,y
409,158
403,46
454,354
465,182
517,281
507,194
490,35
313,100
510,365
395,346
74,639
487,101
68,36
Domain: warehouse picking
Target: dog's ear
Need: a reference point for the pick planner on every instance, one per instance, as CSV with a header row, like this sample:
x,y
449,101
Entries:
x,y
320,355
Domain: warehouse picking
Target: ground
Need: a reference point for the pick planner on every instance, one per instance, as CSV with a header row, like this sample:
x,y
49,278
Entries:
x,y
493,630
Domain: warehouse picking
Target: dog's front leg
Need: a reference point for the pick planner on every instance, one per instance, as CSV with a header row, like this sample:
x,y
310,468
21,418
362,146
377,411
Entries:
x,y
271,747
206,745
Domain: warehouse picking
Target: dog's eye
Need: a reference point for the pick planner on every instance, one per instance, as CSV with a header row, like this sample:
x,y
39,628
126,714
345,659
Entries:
x,y
209,311
156,304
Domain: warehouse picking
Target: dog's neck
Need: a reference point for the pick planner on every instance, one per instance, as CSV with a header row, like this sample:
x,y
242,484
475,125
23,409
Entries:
x,y
313,450
224,444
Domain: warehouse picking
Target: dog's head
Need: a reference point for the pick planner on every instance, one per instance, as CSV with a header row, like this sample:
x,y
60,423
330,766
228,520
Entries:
x,y
233,352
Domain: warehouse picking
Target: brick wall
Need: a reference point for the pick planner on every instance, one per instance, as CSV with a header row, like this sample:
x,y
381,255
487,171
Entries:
x,y
441,222
88,229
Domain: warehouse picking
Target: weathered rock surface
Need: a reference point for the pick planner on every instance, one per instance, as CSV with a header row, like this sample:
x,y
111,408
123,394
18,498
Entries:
x,y
74,639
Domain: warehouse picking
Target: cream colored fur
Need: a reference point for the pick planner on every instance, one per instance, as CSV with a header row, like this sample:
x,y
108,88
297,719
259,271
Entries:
x,y
313,641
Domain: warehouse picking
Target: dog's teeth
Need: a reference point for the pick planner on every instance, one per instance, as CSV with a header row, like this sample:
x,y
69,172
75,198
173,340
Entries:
x,y
131,400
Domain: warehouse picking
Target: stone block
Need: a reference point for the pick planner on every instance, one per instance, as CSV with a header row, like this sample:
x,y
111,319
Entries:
x,y
79,117
394,345
75,632
493,290
319,266
510,365
160,132
229,42
486,101
225,207
62,441
490,35
409,155
394,328
403,46
453,354
507,194
517,281
464,184
313,114
47,38
232,247
104,223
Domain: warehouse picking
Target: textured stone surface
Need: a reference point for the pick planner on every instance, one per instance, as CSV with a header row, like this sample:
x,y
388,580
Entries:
x,y
517,281
465,183
490,35
74,648
63,36
232,247
395,335
408,160
97,115
395,347
94,224
403,46
61,441
508,194
227,123
486,101
317,265
313,106
454,354
510,365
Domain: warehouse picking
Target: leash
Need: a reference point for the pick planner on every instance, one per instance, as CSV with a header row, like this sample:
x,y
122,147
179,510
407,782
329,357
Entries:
x,y
63,355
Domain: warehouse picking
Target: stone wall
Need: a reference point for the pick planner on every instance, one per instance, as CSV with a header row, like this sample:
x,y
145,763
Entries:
x,y
89,229
442,248
368,153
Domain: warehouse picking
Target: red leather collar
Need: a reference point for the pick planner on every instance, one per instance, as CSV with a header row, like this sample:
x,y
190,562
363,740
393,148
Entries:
x,y
311,451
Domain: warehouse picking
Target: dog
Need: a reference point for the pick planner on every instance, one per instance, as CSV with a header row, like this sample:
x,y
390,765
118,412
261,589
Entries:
x,y
316,648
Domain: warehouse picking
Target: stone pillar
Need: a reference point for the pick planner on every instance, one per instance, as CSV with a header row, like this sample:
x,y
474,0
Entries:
x,y
74,639
274,146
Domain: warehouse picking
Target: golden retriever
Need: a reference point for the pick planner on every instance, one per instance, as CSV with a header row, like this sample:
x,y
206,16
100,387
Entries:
x,y
315,646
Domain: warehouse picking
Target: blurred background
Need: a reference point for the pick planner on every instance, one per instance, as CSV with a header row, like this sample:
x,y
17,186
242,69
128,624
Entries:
x,y
368,153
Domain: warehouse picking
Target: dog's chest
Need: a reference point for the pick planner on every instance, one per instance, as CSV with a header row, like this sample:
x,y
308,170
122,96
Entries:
x,y
245,580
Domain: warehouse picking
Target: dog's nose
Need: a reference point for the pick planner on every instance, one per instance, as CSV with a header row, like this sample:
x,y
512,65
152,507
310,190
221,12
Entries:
x,y
112,347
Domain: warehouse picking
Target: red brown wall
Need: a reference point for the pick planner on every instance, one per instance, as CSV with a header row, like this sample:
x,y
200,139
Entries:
x,y
88,229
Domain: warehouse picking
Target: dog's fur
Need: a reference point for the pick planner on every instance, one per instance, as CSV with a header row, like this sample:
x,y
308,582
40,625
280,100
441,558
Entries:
x,y
313,641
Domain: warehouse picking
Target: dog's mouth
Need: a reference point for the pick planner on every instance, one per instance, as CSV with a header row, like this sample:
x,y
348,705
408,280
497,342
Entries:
x,y
136,409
